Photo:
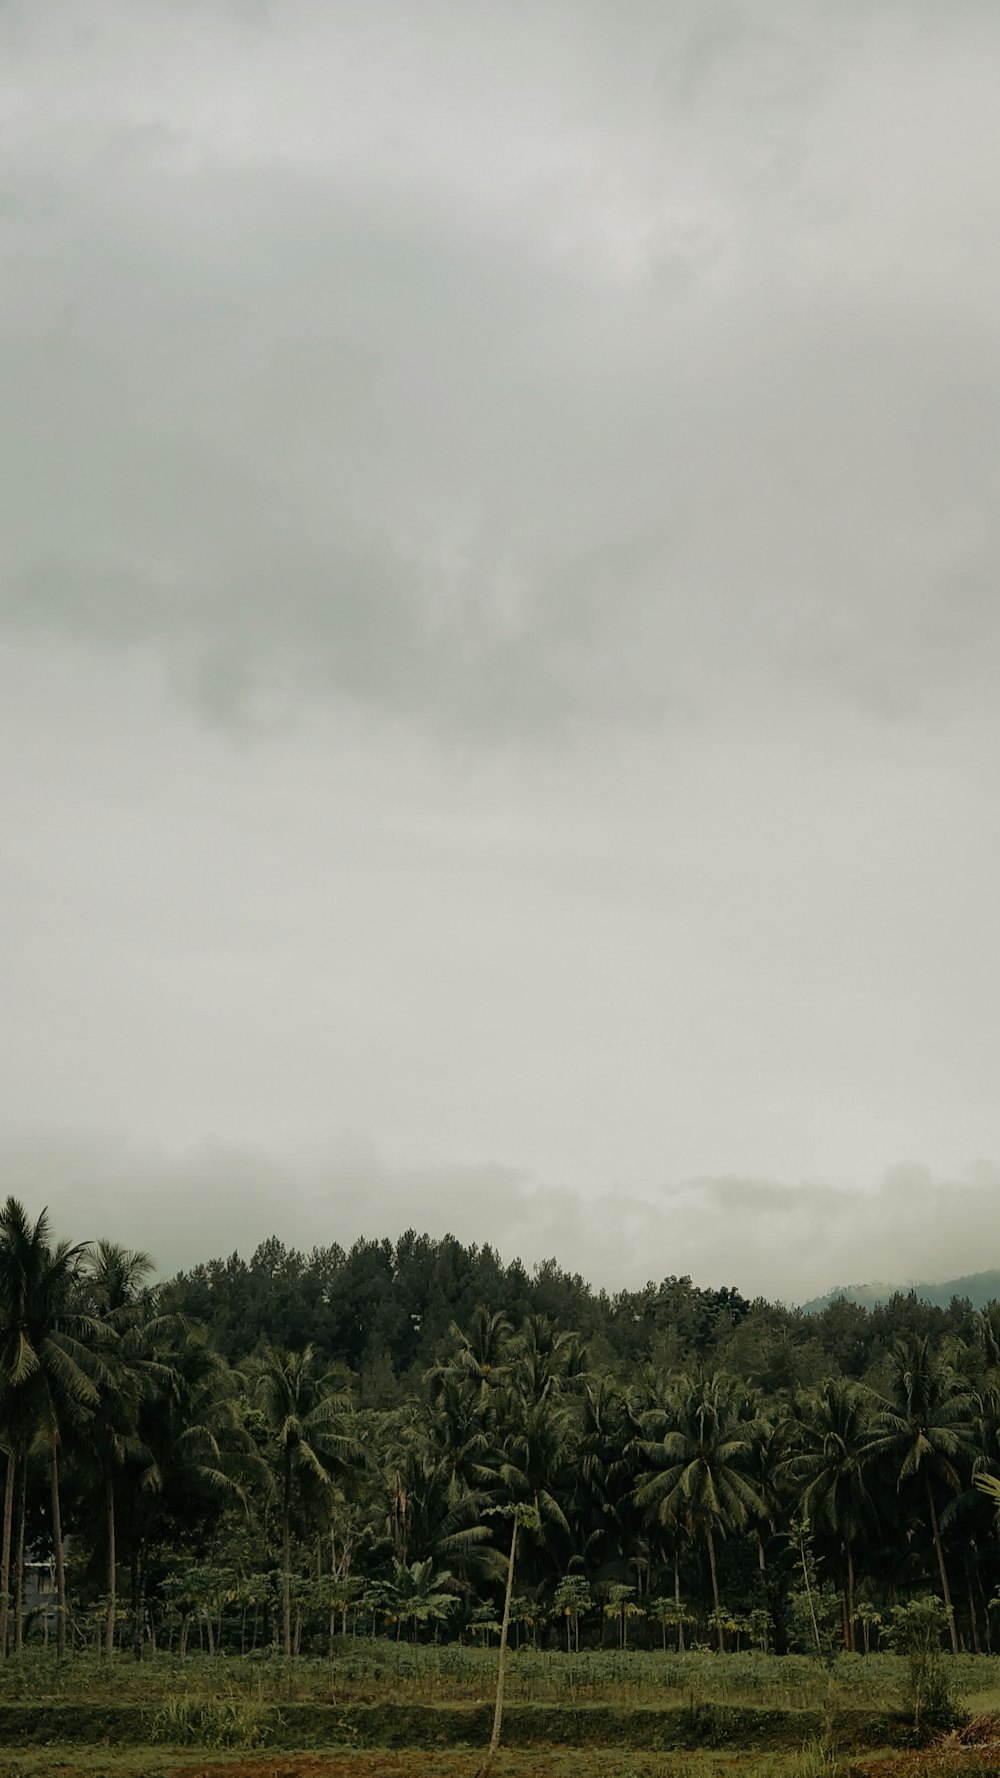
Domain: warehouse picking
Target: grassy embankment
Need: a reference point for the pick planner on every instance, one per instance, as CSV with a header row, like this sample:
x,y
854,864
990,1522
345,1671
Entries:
x,y
393,1710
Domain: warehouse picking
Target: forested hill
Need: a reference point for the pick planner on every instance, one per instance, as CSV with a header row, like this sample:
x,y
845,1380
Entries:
x,y
384,1308
979,1288
339,1437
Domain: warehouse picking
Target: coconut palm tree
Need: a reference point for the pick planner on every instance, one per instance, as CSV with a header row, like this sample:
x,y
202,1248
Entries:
x,y
455,1436
49,1369
192,1452
837,1437
698,1465
925,1426
987,1326
480,1358
115,1291
429,1520
534,1468
305,1409
545,1357
607,1526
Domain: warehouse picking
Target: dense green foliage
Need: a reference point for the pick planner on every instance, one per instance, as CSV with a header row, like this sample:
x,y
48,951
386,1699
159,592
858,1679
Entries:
x,y
279,1452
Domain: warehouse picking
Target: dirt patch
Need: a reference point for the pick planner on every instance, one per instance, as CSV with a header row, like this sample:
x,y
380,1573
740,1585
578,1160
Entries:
x,y
947,1759
447,1763
310,1765
362,1764
982,1731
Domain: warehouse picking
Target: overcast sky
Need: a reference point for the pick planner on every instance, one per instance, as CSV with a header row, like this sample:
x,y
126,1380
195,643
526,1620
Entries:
x,y
500,628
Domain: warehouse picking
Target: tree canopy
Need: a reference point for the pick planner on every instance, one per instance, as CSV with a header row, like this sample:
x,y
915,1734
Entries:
x,y
281,1449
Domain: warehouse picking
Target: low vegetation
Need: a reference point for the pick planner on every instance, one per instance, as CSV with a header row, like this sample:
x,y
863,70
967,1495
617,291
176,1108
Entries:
x,y
785,1717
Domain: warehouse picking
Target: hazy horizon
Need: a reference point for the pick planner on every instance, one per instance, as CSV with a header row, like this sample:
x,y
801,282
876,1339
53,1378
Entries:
x,y
499,628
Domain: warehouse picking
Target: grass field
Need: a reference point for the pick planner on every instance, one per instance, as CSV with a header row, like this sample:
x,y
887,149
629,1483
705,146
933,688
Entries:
x,y
389,1710
368,1672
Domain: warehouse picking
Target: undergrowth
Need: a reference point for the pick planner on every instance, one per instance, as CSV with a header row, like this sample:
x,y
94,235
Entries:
x,y
364,1673
228,1721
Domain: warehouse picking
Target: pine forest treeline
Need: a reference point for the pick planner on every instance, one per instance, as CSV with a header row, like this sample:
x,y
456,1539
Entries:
x,y
272,1453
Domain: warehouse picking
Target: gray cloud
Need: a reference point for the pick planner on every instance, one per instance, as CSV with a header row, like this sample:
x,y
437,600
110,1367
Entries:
x,y
498,633
759,1235
489,403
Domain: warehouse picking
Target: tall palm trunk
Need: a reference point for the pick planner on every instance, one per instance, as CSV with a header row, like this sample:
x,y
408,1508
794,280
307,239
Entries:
x,y
8,1522
849,1630
139,1599
494,1746
710,1542
946,1590
286,1557
109,1522
677,1599
22,1513
60,1565
973,1620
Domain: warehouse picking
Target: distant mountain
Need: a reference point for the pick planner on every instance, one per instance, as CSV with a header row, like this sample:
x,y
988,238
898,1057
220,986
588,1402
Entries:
x,y
980,1288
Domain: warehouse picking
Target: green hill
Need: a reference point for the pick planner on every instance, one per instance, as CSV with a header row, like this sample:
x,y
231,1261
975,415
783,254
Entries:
x,y
980,1288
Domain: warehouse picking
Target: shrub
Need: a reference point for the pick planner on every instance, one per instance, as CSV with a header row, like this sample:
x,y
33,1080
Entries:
x,y
214,1722
916,1631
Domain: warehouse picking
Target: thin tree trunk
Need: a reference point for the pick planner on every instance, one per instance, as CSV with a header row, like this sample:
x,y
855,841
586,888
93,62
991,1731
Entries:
x,y
133,1590
60,1565
971,1591
976,1649
710,1541
22,1510
112,1554
849,1638
677,1599
286,1556
139,1569
494,1746
809,1596
8,1522
946,1590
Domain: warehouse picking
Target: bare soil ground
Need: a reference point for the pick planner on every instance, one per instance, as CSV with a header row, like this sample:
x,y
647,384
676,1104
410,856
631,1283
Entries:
x,y
555,1762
